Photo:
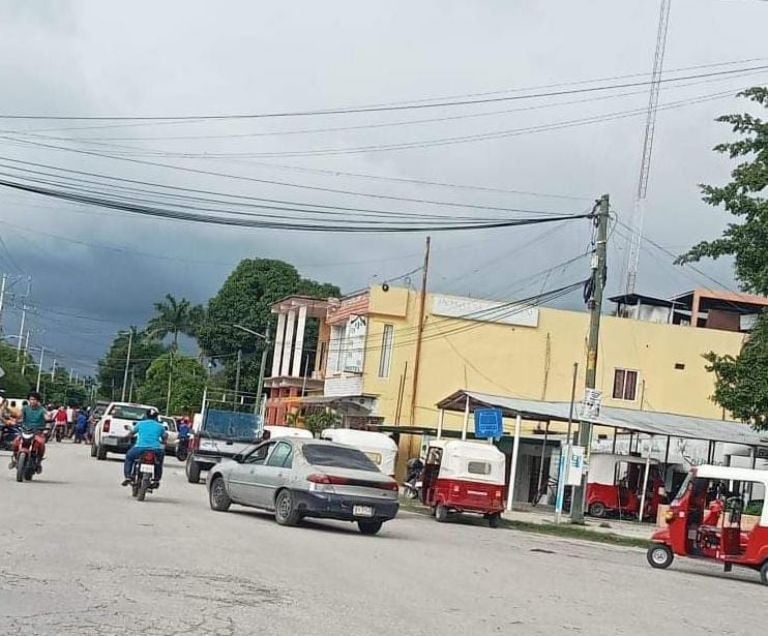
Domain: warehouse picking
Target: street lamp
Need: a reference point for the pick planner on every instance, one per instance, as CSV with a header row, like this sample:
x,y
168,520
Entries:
x,y
267,344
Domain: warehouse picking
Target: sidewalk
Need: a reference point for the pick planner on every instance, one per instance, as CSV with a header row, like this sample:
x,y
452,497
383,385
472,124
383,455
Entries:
x,y
546,516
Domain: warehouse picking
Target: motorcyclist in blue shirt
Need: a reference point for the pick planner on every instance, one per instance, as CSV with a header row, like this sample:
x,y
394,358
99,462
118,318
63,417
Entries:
x,y
150,436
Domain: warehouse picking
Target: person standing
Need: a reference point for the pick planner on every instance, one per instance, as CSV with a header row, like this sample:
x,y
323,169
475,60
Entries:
x,y
70,420
81,426
60,422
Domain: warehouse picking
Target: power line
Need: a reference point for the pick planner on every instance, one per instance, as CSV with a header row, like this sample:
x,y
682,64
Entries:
x,y
377,108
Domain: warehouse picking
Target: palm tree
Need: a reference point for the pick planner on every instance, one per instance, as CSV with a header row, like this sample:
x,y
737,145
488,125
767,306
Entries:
x,y
174,317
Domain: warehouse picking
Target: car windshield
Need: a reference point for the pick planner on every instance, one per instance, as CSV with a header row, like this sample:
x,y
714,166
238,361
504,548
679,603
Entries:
x,y
229,425
127,412
337,457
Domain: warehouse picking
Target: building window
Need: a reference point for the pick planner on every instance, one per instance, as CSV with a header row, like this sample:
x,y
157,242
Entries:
x,y
624,384
385,361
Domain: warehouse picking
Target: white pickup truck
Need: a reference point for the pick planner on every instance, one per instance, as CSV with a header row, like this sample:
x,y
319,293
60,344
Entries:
x,y
109,433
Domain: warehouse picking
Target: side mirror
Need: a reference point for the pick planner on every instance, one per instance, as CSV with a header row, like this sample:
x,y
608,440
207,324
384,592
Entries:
x,y
238,458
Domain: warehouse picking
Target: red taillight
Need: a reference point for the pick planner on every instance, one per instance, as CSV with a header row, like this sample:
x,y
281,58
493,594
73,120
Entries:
x,y
148,457
319,478
391,485
105,426
336,480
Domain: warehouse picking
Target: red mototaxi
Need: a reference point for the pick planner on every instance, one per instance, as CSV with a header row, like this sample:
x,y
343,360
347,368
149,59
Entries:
x,y
461,476
705,521
615,486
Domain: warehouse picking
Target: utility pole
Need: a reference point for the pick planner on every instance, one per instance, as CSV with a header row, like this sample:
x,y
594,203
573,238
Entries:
x,y
127,364
130,390
2,298
260,386
595,304
53,370
40,369
237,378
26,353
419,334
23,319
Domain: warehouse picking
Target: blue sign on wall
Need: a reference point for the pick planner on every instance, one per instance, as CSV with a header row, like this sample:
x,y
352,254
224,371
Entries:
x,y
488,423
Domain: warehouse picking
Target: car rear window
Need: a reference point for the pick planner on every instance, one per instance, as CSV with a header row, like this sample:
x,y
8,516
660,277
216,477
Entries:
x,y
123,412
337,457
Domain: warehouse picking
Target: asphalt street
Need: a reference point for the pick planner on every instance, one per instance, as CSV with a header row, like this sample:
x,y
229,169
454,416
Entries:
x,y
80,556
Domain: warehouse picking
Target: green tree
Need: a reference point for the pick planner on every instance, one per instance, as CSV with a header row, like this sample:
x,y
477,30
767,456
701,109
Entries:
x,y
741,382
189,378
245,298
173,317
746,240
13,383
318,422
111,368
61,390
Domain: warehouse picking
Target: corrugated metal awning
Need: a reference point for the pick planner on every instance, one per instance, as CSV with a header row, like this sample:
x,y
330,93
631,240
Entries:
x,y
649,422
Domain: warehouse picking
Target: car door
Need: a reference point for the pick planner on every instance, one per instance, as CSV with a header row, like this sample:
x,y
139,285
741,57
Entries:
x,y
245,478
275,472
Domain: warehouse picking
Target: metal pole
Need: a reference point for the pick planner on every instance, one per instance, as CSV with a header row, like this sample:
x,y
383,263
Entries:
x,y
573,401
127,364
237,377
40,369
260,387
645,480
465,425
565,452
440,423
53,370
595,308
26,354
130,389
21,332
513,467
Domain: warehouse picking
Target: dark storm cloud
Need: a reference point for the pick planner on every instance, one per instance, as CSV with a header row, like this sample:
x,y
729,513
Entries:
x,y
187,58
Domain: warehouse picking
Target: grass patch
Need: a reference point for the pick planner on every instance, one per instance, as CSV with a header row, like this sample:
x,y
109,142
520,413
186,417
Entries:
x,y
563,530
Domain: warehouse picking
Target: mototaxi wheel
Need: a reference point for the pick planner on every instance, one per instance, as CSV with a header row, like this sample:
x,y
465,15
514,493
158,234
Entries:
x,y
764,573
441,513
597,509
660,556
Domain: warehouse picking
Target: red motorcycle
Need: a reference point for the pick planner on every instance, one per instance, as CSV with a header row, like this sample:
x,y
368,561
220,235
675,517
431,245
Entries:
x,y
29,453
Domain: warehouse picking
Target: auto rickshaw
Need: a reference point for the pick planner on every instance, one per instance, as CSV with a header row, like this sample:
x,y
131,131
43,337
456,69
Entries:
x,y
705,520
461,477
615,486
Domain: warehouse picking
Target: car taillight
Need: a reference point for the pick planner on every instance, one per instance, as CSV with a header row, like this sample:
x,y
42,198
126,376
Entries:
x,y
391,485
319,478
194,443
105,426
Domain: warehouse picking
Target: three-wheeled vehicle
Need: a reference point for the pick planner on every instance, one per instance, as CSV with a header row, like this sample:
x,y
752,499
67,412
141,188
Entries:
x,y
464,476
381,449
705,520
615,486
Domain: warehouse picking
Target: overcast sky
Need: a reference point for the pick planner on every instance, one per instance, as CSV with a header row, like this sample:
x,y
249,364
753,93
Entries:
x,y
189,58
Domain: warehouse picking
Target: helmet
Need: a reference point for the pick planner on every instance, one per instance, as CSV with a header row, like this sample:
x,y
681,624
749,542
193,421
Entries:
x,y
152,413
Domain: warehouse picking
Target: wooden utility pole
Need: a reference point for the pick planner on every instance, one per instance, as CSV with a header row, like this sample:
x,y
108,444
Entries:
x,y
237,378
419,334
595,304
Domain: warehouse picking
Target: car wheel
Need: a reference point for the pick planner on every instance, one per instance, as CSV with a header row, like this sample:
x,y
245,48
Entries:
x,y
286,513
660,556
494,519
93,449
193,471
101,452
218,496
597,509
369,527
764,573
441,513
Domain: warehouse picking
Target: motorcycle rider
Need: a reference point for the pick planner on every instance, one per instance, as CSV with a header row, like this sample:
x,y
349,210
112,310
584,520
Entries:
x,y
150,436
34,418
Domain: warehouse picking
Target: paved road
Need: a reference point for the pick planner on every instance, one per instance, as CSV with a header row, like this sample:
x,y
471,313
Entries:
x,y
80,556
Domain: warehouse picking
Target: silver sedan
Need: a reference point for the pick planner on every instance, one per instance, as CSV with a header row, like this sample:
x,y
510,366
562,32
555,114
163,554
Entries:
x,y
297,478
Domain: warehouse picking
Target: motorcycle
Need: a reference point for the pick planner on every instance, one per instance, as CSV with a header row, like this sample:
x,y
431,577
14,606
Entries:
x,y
8,435
143,477
412,489
58,432
412,486
182,449
28,461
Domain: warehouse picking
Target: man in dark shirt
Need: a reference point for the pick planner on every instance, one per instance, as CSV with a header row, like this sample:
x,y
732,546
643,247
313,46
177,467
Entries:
x,y
33,420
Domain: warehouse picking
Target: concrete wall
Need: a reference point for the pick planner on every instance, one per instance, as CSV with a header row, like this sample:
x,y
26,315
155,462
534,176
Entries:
x,y
536,362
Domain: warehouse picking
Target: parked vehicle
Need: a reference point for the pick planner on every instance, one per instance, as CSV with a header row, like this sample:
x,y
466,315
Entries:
x,y
171,442
413,484
220,435
705,521
615,486
273,432
381,449
8,434
144,475
109,434
296,478
462,476
28,457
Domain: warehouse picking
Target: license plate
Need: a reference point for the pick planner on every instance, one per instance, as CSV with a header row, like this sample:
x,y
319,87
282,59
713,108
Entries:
x,y
362,511
147,468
